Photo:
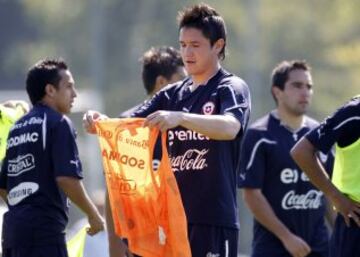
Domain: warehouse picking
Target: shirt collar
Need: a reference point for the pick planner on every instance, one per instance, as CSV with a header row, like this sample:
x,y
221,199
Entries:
x,y
275,115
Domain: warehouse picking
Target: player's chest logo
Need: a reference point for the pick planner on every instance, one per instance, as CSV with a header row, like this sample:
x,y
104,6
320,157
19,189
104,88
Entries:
x,y
208,108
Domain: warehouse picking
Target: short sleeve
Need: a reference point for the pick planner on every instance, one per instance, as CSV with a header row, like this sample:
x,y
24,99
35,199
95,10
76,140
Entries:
x,y
64,150
157,102
343,127
235,100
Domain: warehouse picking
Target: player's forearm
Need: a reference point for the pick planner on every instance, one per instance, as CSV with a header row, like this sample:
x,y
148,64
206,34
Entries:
x,y
108,217
74,189
304,154
219,127
330,214
264,214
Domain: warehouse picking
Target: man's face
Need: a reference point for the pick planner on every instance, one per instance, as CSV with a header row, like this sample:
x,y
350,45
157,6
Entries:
x,y
296,96
65,93
198,55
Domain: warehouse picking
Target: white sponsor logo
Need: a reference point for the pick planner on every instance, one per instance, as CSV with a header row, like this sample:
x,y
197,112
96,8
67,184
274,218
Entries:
x,y
208,108
310,200
22,139
31,121
21,164
22,191
185,135
288,176
192,159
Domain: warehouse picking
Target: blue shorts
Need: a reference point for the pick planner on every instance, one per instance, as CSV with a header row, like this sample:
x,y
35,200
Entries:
x,y
37,251
345,241
213,241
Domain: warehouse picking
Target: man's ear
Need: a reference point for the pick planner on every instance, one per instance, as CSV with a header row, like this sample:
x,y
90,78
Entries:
x,y
50,90
276,92
160,82
219,45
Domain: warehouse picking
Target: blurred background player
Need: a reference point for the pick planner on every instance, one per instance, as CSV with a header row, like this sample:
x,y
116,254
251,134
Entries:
x,y
160,66
10,112
288,210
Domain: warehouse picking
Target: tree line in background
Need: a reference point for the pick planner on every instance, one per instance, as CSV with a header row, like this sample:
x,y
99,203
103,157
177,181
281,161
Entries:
x,y
103,40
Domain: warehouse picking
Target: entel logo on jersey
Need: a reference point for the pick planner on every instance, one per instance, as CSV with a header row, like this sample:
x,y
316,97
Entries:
x,y
185,135
208,108
288,176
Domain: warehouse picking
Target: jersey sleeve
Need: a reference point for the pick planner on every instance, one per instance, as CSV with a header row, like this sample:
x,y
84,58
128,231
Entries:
x,y
64,151
235,100
343,127
157,102
252,160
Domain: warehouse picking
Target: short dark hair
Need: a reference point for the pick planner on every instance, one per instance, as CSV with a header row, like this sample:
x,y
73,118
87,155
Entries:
x,y
280,73
159,61
46,71
206,19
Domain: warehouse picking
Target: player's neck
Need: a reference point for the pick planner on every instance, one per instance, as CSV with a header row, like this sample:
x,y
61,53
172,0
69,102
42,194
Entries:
x,y
204,77
49,103
292,121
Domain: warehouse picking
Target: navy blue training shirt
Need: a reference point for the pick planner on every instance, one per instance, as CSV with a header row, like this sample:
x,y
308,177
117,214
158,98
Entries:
x,y
266,164
41,146
343,127
205,169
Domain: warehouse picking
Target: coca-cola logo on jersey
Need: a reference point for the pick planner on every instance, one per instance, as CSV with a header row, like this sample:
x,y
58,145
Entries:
x,y
310,200
191,160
